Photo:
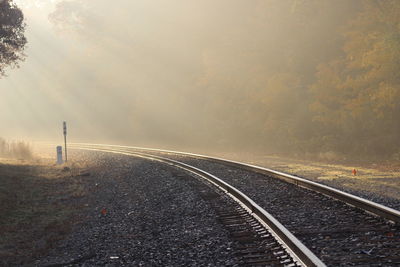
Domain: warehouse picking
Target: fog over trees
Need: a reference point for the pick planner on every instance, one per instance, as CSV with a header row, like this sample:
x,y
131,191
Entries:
x,y
315,78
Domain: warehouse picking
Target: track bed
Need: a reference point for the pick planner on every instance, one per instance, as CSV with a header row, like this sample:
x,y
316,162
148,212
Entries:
x,y
142,212
337,233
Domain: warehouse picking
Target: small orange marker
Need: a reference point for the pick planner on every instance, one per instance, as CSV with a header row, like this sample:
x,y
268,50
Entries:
x,y
354,172
103,211
390,234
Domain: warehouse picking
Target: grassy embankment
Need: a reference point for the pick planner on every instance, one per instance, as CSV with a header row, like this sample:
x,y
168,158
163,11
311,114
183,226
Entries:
x,y
380,178
38,204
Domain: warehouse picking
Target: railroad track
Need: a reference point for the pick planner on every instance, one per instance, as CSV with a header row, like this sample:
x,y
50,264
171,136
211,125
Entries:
x,y
339,228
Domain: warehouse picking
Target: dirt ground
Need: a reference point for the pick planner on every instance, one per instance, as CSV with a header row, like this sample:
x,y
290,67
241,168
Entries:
x,y
38,205
378,179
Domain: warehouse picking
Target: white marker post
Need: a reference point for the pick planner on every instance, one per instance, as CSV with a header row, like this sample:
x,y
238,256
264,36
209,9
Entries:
x,y
59,155
65,140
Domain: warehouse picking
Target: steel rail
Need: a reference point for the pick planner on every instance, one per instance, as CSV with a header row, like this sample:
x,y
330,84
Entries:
x,y
364,204
300,252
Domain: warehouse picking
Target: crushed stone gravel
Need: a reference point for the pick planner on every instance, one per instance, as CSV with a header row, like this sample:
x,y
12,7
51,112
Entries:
x,y
337,233
142,213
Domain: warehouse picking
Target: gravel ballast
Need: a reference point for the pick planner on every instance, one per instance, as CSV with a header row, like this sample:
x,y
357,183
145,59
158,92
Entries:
x,y
337,233
142,213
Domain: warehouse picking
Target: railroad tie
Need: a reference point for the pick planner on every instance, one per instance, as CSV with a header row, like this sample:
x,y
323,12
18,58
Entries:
x,y
256,246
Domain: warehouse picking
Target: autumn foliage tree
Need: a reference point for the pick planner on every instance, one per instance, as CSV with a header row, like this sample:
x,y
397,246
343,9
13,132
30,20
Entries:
x,y
307,77
357,97
319,85
12,39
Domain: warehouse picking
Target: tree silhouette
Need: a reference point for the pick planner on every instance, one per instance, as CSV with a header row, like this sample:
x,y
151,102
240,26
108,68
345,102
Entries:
x,y
12,39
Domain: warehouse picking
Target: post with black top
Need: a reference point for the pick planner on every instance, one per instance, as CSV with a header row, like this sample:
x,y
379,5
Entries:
x,y
65,140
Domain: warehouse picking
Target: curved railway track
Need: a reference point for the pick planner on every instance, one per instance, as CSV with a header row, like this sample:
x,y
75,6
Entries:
x,y
341,229
264,240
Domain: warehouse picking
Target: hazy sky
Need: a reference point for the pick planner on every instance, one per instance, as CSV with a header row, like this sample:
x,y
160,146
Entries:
x,y
114,71
167,71
85,78
31,100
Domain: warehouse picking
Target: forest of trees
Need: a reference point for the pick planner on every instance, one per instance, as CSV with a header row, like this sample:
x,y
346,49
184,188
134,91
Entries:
x,y
355,98
333,90
316,78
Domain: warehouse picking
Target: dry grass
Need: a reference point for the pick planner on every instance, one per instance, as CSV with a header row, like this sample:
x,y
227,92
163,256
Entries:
x,y
15,149
378,178
38,203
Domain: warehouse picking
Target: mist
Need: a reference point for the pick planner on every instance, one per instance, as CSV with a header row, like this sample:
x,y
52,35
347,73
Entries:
x,y
305,77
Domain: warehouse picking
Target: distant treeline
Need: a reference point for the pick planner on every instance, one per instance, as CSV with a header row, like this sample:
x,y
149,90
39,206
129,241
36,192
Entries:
x,y
318,78
326,83
15,149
